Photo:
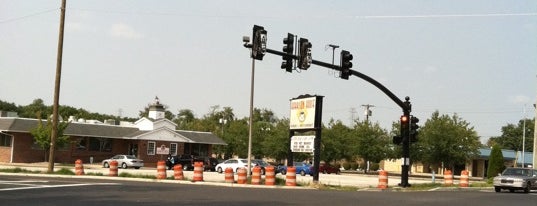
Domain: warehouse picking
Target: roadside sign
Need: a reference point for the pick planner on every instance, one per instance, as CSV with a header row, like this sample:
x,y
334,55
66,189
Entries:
x,y
163,150
302,143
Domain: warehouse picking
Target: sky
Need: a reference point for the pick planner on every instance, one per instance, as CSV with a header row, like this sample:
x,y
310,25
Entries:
x,y
473,58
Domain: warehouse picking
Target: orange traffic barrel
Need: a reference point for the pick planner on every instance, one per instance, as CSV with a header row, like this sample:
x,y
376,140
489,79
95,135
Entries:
x,y
230,178
113,168
383,179
270,175
178,172
79,168
241,175
290,178
448,178
198,172
464,179
256,175
161,170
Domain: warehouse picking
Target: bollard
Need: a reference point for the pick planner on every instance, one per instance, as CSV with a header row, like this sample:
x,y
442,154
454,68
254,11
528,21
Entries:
x,y
113,169
241,175
198,172
161,170
256,175
178,172
230,178
290,178
79,168
383,179
448,178
270,175
464,179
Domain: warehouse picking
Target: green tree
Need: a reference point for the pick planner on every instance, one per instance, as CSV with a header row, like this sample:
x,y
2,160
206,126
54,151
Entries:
x,y
37,107
42,133
337,142
448,140
8,107
373,143
496,163
512,136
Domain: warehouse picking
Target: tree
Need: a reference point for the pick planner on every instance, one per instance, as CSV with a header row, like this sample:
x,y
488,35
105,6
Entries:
x,y
448,140
373,143
496,163
337,142
42,133
35,108
512,136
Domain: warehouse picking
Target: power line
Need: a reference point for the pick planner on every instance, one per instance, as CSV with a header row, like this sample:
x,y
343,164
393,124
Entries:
x,y
27,16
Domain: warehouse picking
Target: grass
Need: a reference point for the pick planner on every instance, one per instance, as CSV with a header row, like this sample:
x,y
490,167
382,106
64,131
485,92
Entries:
x,y
19,170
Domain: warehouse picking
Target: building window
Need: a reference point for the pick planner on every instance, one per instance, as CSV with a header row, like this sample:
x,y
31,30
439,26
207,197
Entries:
x,y
100,144
151,148
5,140
173,149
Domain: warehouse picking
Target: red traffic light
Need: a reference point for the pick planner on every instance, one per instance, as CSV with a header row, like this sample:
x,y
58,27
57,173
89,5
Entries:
x,y
404,119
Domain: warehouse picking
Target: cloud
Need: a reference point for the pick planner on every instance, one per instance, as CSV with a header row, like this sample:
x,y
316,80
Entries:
x,y
122,30
520,99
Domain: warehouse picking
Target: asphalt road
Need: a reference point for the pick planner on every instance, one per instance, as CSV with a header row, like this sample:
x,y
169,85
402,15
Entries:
x,y
50,190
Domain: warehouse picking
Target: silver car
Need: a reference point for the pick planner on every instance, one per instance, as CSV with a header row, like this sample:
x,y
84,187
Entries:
x,y
516,179
124,161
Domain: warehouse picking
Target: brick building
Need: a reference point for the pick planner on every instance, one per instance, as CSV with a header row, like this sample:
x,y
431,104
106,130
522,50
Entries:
x,y
93,140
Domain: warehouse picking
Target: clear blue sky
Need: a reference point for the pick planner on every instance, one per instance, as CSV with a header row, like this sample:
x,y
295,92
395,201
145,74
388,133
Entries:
x,y
476,58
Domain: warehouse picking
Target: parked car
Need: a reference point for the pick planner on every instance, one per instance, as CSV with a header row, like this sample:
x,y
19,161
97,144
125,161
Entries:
x,y
124,161
302,168
516,179
260,163
187,161
235,164
328,169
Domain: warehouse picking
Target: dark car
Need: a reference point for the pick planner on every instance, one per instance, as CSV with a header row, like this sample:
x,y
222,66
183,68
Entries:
x,y
209,163
187,161
328,169
260,163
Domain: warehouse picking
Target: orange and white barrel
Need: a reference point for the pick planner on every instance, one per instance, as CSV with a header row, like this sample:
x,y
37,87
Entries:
x,y
79,168
290,178
198,172
178,172
241,175
464,179
113,168
383,179
270,175
256,175
161,170
230,178
448,178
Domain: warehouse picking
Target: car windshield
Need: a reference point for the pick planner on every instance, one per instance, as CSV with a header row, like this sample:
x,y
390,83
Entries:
x,y
517,172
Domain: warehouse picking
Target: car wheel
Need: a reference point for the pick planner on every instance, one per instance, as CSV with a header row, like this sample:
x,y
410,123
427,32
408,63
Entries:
x,y
528,188
284,172
497,189
136,167
124,165
219,170
106,165
185,167
324,172
302,173
262,171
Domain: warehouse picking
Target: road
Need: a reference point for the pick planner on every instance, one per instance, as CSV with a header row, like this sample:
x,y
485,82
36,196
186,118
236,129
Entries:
x,y
50,190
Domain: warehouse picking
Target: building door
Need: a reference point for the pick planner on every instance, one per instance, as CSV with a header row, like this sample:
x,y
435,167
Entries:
x,y
133,149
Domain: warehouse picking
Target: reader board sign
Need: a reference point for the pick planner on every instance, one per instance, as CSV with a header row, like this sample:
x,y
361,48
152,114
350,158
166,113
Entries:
x,y
302,143
302,113
163,150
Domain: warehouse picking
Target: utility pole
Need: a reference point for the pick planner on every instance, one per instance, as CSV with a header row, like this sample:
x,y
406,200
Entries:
x,y
535,139
367,111
54,132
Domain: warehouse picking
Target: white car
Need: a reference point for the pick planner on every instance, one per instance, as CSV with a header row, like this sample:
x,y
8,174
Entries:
x,y
235,164
124,161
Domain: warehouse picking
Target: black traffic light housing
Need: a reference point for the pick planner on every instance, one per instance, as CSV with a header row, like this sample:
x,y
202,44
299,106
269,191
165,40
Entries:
x,y
414,128
405,126
304,59
259,42
397,140
288,48
346,64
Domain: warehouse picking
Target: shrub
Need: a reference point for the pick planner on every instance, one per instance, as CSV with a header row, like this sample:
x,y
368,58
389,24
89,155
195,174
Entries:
x,y
496,162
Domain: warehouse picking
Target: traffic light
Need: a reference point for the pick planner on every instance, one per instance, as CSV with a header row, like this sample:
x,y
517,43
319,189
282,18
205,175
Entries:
x,y
414,128
304,59
405,124
346,64
288,48
259,42
397,140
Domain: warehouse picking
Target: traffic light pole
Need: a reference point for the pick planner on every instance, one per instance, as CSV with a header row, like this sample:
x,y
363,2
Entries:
x,y
405,106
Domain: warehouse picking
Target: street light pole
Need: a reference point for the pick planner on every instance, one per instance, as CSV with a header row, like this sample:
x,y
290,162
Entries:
x,y
251,118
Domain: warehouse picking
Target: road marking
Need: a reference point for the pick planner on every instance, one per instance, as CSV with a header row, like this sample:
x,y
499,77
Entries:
x,y
35,186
